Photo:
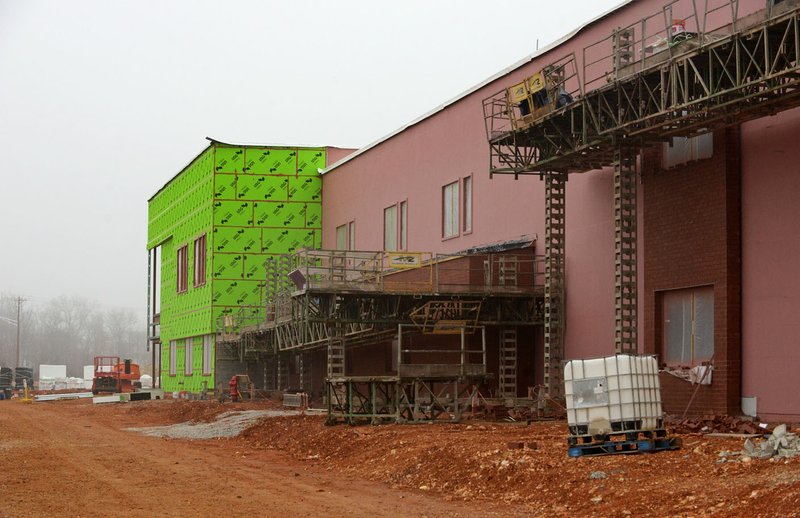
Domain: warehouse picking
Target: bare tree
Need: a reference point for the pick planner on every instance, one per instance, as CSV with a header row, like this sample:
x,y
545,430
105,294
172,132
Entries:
x,y
71,331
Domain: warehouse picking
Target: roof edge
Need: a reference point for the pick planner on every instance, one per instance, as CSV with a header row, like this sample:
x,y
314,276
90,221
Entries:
x,y
182,169
473,89
213,142
272,145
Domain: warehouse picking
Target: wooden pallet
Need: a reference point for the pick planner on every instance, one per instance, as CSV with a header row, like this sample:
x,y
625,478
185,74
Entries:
x,y
610,447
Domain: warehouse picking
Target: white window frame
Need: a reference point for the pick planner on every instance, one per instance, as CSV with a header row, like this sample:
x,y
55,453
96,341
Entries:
x,y
695,335
173,357
351,235
188,356
341,237
467,188
208,354
450,210
390,228
403,225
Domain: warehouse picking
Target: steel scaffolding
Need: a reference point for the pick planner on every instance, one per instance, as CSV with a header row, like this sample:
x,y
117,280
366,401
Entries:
x,y
688,69
336,300
657,78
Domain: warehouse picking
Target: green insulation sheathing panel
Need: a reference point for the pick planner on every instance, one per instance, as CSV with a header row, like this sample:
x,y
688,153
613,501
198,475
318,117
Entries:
x,y
182,380
252,203
178,214
267,202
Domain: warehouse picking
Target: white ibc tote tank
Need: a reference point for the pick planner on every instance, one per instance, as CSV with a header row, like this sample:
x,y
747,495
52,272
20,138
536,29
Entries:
x,y
613,394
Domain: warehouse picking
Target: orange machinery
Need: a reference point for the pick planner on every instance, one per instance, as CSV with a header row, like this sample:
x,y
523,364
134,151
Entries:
x,y
114,375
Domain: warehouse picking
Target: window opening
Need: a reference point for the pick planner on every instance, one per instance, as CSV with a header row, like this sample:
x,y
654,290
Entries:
x,y
450,210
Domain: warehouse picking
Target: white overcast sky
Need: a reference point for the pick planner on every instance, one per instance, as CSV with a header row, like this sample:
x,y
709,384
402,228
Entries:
x,y
101,102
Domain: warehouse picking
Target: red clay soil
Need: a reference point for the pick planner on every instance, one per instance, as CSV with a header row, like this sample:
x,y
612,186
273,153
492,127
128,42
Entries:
x,y
74,458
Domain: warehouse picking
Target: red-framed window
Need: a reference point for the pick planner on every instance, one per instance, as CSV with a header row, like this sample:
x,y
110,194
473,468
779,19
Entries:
x,y
182,269
200,261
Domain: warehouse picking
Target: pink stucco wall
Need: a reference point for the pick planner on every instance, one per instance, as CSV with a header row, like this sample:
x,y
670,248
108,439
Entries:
x,y
770,264
415,164
590,265
337,153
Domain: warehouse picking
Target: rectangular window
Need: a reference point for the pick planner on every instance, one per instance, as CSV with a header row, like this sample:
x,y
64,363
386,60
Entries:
x,y
450,210
173,357
390,228
188,356
468,204
208,351
200,261
688,326
681,150
182,269
341,237
351,243
403,225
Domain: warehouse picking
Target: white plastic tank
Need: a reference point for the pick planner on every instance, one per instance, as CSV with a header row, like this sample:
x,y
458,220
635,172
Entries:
x,y
146,381
613,394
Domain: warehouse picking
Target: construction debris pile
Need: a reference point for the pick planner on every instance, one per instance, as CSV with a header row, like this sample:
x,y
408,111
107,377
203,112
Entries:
x,y
715,424
781,444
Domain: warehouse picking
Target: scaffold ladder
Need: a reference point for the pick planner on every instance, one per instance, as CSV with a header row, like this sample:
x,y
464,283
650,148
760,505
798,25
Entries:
x,y
507,271
623,49
555,200
338,267
625,290
336,368
508,362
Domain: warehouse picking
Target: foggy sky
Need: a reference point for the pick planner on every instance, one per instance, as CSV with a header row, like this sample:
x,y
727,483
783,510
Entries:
x,y
101,102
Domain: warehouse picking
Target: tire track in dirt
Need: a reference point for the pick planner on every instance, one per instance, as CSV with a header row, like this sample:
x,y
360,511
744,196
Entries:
x,y
67,459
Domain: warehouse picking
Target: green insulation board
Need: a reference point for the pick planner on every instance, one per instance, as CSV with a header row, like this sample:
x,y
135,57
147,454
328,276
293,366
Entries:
x,y
252,203
310,161
180,381
267,201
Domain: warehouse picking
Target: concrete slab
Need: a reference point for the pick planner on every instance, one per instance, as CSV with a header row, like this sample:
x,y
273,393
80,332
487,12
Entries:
x,y
58,397
115,398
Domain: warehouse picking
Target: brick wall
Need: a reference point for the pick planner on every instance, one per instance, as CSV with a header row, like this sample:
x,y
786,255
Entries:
x,y
692,237
466,273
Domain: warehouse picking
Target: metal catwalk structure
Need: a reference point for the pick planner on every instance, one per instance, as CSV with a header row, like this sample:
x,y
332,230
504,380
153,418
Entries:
x,y
337,300
690,68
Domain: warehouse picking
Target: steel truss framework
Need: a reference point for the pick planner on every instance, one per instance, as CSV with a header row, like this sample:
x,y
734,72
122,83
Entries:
x,y
665,83
375,400
337,315
745,70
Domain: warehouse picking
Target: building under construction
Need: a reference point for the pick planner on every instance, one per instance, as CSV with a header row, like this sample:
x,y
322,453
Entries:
x,y
661,221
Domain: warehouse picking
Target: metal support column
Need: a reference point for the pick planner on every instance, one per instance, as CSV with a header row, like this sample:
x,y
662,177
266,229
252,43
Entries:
x,y
625,292
555,199
282,375
301,369
271,372
306,381
508,362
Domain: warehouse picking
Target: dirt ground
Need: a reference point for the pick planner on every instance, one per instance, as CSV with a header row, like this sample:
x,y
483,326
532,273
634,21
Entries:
x,y
74,458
